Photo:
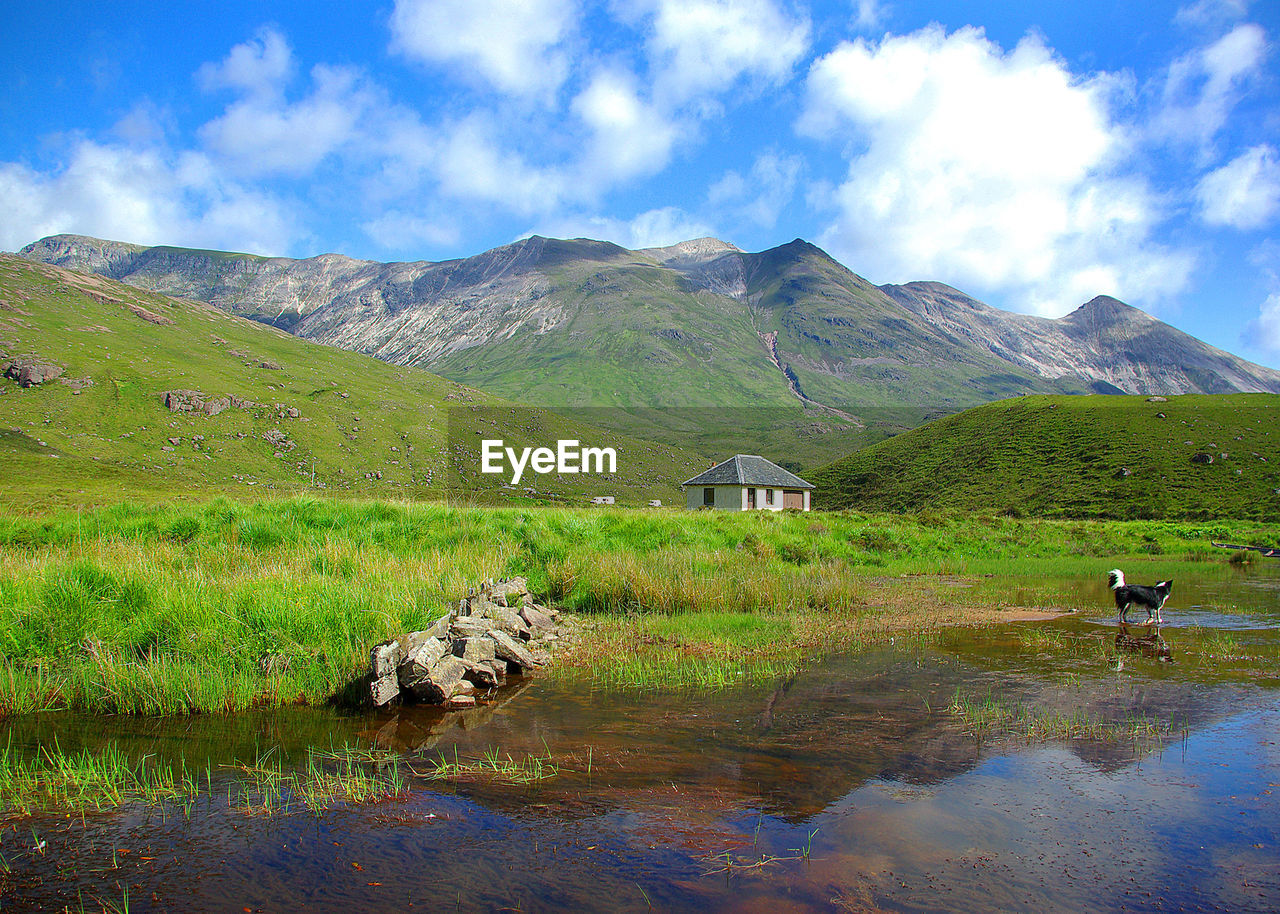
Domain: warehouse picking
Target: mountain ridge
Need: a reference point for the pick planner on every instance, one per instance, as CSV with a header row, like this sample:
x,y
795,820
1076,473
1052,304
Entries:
x,y
576,323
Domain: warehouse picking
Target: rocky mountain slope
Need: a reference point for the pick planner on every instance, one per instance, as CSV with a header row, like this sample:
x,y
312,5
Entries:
x,y
106,389
698,324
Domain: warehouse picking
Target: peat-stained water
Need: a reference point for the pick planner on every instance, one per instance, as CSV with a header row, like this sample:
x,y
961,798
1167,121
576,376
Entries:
x,y
849,786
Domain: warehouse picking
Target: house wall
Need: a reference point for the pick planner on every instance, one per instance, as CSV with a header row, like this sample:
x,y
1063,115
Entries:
x,y
734,498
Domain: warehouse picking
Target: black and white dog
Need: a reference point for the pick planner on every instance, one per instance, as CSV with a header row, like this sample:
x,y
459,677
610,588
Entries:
x,y
1152,599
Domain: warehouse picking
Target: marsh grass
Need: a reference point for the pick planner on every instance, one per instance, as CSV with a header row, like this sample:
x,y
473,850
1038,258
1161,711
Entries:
x,y
497,766
53,780
996,716
225,606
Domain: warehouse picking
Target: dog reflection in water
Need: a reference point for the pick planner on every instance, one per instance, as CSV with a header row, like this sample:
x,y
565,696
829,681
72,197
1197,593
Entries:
x,y
1145,640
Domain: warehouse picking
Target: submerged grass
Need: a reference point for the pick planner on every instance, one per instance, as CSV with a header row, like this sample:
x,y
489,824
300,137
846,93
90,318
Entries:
x,y
225,605
996,716
495,765
53,780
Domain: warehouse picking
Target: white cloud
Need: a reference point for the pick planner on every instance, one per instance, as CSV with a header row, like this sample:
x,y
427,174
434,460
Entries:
x,y
1202,87
1265,331
1211,12
987,169
260,66
1244,193
629,136
475,164
140,196
655,228
763,193
263,135
400,231
516,46
869,14
701,46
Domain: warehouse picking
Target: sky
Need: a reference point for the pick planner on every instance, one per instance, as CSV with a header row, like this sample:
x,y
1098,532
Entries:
x,y
1032,155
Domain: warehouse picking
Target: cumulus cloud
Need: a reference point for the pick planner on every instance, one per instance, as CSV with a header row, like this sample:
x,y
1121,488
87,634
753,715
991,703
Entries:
x,y
1265,331
141,196
652,229
1244,193
474,163
869,14
260,66
263,134
990,169
1202,87
761,195
701,46
629,136
517,46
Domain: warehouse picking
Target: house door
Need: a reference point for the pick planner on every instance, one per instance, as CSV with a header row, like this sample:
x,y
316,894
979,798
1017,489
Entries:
x,y
708,498
793,500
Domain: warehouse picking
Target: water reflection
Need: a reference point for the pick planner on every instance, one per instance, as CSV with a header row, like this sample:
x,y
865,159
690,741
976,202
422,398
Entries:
x,y
1144,640
849,786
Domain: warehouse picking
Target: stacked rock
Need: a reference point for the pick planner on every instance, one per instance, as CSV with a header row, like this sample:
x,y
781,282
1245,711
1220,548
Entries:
x,y
496,631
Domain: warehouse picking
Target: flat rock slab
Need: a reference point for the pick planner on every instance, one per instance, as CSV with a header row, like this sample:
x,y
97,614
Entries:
x,y
507,648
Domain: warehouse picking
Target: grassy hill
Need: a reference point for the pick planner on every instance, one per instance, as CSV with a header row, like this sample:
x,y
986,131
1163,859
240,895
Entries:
x,y
288,415
1094,456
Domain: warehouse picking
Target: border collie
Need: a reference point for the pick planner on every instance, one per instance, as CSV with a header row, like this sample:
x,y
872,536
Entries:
x,y
1152,599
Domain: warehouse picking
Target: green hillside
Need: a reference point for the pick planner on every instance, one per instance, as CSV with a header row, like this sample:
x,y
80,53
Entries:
x,y
1094,456
279,414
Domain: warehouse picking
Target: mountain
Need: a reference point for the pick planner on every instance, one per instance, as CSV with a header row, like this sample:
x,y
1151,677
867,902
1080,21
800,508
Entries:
x,y
814,358
106,389
1192,456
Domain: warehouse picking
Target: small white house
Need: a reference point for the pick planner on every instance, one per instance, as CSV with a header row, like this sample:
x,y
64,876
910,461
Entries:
x,y
602,500
747,482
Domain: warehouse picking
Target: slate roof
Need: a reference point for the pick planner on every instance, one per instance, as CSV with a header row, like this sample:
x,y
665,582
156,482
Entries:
x,y
749,470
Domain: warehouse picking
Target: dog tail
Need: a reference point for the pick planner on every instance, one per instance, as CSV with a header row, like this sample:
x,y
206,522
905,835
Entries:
x,y
1115,579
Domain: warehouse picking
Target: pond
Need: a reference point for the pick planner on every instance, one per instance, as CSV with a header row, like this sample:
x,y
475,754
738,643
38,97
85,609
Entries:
x,y
1024,766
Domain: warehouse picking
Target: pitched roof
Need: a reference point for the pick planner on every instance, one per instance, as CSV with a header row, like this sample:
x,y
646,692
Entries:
x,y
749,470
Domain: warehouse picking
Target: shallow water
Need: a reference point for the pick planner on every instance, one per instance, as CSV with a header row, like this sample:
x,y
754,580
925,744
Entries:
x,y
849,786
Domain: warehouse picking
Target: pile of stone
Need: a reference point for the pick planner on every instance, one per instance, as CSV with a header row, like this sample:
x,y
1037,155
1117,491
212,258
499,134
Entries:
x,y
496,632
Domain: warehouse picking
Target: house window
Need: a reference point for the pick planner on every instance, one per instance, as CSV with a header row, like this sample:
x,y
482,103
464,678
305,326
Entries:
x,y
708,497
768,497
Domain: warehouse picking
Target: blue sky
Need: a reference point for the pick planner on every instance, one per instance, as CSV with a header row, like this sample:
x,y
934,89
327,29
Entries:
x,y
1032,155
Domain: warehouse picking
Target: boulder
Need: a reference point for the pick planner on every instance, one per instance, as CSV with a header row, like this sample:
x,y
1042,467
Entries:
x,y
384,690
508,649
1202,458
469,627
507,621
437,684
385,658
482,673
474,649
29,371
536,619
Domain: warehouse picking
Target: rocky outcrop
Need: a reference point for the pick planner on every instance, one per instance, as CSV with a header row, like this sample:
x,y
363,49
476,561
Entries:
x,y
193,401
30,371
495,633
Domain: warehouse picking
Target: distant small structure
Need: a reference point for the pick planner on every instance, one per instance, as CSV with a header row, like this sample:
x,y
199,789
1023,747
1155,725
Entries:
x,y
602,500
656,503
747,482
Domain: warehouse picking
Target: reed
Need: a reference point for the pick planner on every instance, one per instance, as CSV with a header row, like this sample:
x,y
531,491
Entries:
x,y
133,608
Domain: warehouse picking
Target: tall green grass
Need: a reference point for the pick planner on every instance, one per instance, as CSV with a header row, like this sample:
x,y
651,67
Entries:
x,y
228,605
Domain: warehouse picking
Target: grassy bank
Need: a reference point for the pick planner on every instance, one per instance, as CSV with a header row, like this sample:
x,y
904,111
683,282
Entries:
x,y
225,605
